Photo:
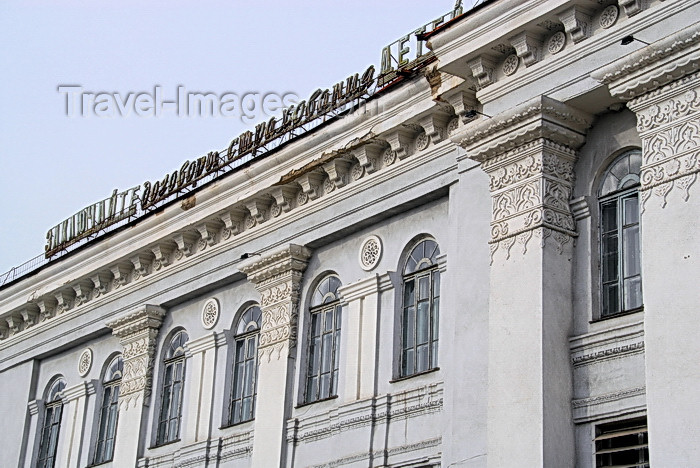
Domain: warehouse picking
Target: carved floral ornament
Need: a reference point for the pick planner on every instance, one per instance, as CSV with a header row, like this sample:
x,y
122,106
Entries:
x,y
210,313
85,362
370,253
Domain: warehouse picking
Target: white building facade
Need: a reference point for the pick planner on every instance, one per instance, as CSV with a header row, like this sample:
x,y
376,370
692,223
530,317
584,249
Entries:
x,y
491,263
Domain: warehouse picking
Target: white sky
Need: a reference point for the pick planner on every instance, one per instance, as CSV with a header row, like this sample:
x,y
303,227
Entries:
x,y
51,165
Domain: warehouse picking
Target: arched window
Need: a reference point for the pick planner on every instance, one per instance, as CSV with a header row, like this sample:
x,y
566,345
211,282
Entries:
x,y
324,340
109,411
245,366
421,308
173,383
52,425
620,253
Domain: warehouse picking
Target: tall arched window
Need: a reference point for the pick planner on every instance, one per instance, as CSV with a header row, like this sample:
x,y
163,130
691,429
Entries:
x,y
52,425
173,383
421,309
324,340
245,366
620,253
109,411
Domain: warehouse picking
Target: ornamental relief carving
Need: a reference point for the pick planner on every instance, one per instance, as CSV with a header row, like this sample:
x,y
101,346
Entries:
x,y
670,155
673,109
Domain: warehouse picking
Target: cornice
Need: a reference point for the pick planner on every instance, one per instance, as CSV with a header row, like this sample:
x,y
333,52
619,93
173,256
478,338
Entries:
x,y
284,259
136,320
78,391
654,66
541,117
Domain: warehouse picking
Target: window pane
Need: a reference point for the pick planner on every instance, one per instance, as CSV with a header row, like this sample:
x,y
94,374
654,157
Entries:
x,y
424,288
408,296
408,327
408,362
328,320
610,258
422,358
633,293
325,386
327,349
423,325
436,318
609,216
631,210
610,299
630,248
312,389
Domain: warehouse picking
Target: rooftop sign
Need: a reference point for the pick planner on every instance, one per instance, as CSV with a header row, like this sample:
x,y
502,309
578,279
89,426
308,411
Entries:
x,y
405,52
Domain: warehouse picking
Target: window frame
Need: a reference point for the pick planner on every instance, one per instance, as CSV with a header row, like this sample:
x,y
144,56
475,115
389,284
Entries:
x,y
171,363
243,338
51,424
320,306
111,387
422,270
615,437
627,189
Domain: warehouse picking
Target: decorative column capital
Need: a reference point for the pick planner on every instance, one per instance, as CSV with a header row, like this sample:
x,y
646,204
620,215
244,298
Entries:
x,y
277,276
662,83
137,331
529,154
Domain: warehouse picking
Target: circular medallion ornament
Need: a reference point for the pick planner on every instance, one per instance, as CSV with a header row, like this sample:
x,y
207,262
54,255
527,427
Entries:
x,y
210,313
453,125
302,198
357,171
275,210
422,141
389,157
85,362
556,42
249,222
328,186
609,16
370,253
510,65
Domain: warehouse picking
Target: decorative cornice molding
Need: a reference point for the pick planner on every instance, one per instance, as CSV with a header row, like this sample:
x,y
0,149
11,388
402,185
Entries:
x,y
287,258
541,117
656,65
608,397
138,319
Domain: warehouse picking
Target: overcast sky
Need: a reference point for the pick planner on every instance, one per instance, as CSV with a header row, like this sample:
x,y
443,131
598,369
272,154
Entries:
x,y
53,164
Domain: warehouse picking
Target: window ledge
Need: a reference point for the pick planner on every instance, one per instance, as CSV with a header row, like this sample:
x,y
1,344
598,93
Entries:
x,y
106,462
153,447
619,314
240,423
301,405
406,377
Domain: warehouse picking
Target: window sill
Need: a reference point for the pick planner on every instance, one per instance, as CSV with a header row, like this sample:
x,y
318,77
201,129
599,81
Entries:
x,y
301,405
619,314
164,444
406,377
240,423
106,462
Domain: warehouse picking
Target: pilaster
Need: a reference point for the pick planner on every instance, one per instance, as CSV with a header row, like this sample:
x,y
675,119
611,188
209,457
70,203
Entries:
x,y
137,331
71,443
35,409
529,154
661,84
277,276
201,380
359,340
